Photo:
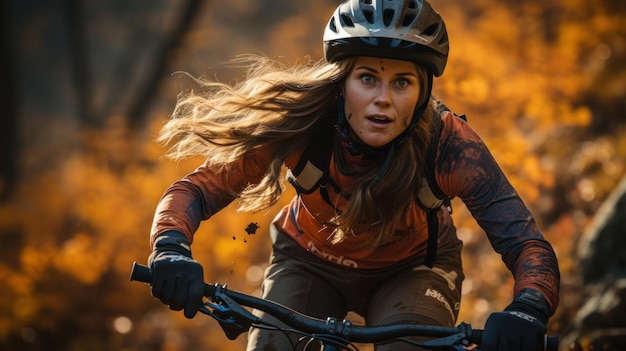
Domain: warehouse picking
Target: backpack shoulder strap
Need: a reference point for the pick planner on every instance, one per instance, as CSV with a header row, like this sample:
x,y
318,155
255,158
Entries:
x,y
311,172
430,195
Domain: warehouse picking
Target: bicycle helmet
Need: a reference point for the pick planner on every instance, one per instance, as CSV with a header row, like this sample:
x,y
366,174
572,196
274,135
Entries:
x,y
399,29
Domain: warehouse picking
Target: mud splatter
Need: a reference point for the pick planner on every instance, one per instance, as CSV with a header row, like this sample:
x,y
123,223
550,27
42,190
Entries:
x,y
252,228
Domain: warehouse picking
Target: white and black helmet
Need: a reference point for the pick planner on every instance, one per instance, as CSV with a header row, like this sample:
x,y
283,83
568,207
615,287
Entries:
x,y
399,29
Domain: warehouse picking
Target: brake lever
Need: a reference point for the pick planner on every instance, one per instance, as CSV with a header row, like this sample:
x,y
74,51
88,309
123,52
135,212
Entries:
x,y
231,316
444,343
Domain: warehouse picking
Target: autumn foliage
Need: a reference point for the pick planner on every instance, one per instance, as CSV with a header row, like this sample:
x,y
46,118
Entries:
x,y
542,81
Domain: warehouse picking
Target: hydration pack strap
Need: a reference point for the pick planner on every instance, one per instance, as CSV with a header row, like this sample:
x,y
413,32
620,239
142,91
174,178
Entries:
x,y
311,172
433,233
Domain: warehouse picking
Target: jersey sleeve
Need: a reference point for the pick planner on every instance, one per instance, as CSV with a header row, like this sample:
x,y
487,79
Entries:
x,y
204,192
466,169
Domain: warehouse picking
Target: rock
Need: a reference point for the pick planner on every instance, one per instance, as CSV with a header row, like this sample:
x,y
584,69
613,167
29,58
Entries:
x,y
602,248
600,323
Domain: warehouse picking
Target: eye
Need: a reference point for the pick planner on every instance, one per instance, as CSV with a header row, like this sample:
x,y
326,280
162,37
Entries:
x,y
402,82
367,78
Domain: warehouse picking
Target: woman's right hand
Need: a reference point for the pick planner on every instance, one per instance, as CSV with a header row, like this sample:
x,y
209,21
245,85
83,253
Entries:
x,y
177,279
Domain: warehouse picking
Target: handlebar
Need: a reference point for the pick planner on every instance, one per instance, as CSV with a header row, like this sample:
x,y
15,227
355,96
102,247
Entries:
x,y
227,308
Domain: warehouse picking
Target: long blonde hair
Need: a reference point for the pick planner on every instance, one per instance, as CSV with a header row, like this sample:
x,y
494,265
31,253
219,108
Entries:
x,y
277,108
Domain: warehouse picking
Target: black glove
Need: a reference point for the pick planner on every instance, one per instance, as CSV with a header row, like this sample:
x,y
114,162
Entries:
x,y
521,327
177,279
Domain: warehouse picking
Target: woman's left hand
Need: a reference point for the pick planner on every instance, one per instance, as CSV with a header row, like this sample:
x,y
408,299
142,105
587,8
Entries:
x,y
513,331
521,327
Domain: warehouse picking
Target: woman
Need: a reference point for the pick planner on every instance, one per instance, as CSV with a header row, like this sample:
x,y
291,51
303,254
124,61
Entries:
x,y
358,242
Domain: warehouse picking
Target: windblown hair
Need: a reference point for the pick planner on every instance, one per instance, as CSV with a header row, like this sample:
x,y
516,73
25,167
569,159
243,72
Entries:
x,y
277,108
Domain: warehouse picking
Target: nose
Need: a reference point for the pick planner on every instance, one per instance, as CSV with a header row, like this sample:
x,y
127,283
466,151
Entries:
x,y
383,96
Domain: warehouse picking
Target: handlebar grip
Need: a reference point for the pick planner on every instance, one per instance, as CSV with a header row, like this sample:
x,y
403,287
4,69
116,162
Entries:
x,y
140,273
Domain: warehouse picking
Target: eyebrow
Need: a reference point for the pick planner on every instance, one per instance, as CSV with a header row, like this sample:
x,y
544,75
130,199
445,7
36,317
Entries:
x,y
373,70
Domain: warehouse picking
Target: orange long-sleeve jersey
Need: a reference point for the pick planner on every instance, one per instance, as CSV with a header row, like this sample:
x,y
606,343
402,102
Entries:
x,y
464,168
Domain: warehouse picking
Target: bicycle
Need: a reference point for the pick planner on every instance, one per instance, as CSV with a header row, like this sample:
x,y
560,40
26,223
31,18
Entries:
x,y
227,307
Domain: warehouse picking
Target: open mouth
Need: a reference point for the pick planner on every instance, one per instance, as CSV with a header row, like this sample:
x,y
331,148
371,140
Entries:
x,y
379,120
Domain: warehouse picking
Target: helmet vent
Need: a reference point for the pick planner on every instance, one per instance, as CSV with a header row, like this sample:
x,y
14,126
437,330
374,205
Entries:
x,y
387,16
369,16
346,20
332,25
412,4
432,29
408,19
444,39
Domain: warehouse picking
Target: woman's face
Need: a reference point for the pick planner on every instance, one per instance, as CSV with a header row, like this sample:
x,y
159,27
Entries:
x,y
381,95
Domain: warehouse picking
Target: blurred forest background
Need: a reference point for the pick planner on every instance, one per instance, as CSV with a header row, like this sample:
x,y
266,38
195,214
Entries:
x,y
86,86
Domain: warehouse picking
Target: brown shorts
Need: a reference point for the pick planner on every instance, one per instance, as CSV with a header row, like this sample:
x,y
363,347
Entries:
x,y
408,292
